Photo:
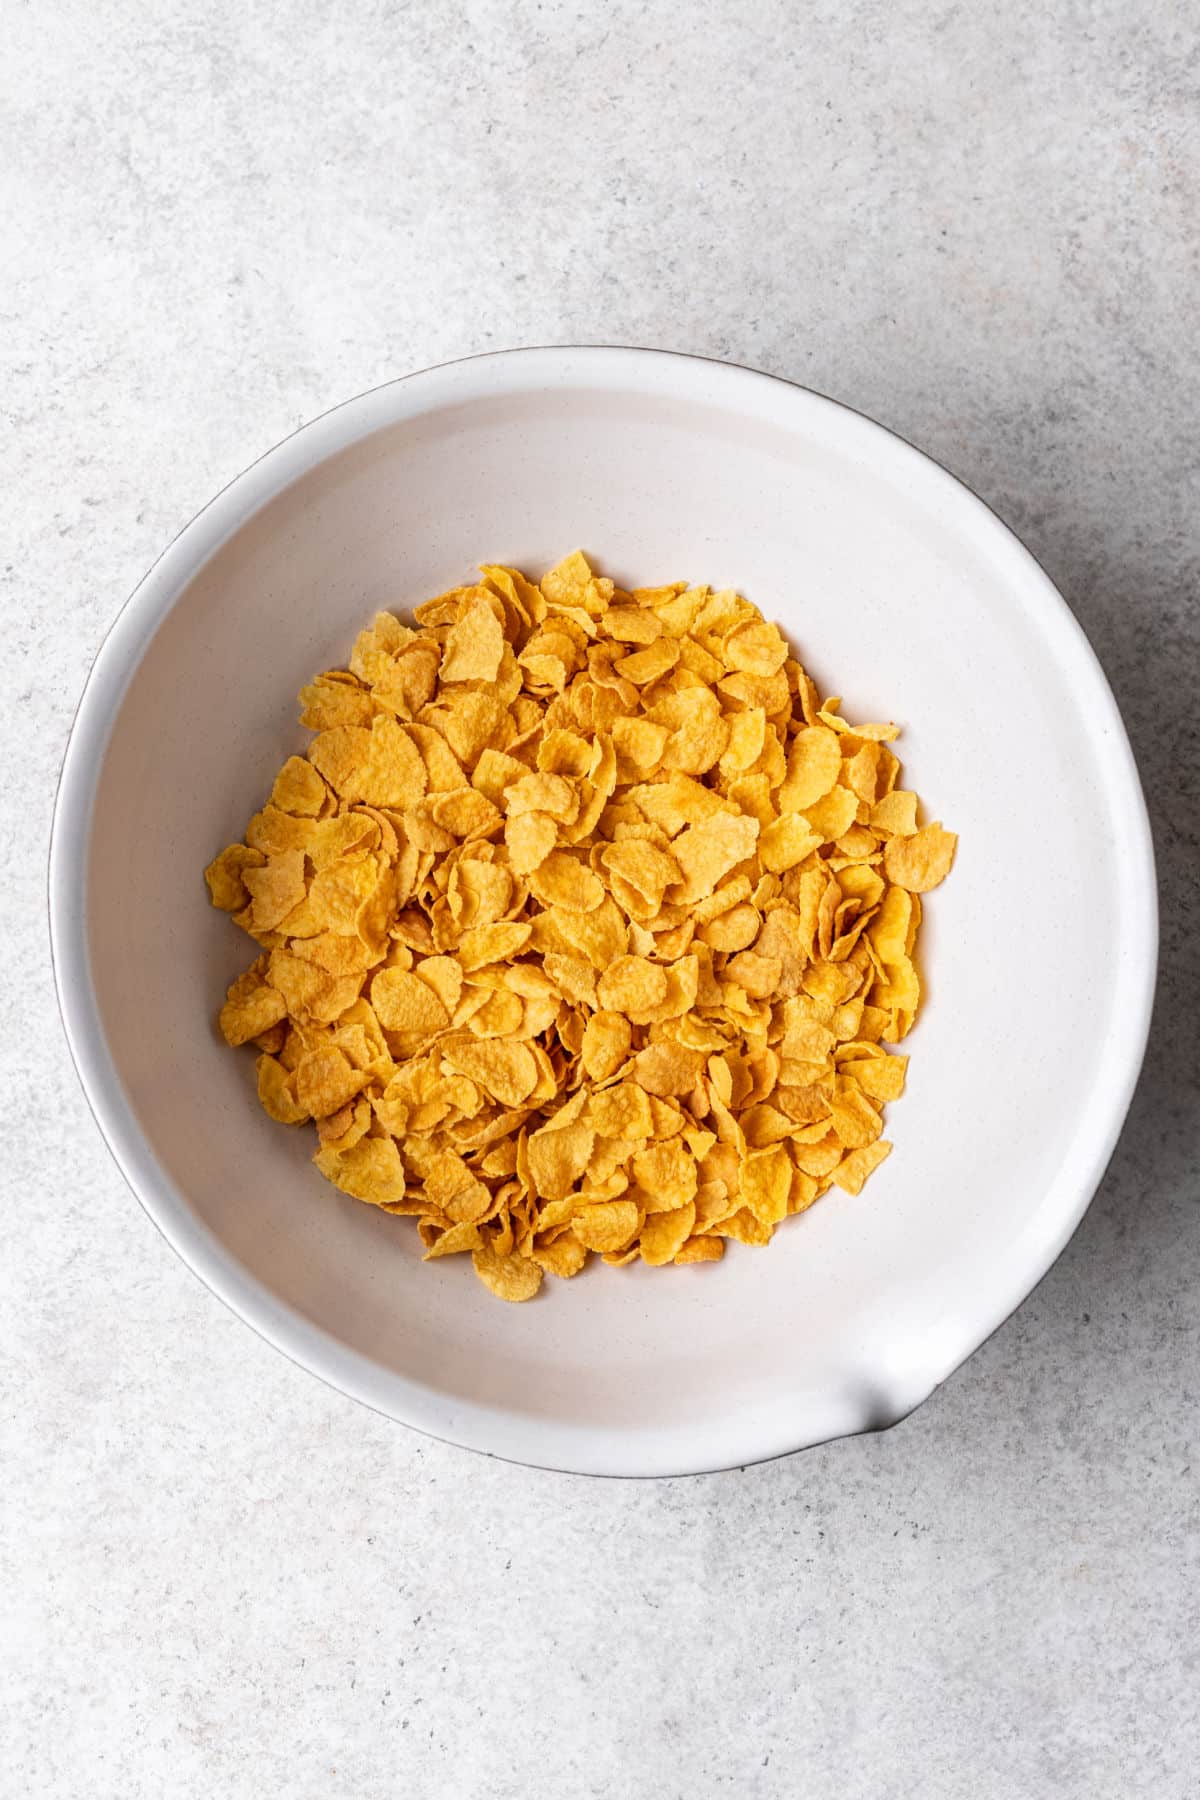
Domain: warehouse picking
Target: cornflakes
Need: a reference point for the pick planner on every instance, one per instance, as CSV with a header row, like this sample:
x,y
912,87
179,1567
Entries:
x,y
585,927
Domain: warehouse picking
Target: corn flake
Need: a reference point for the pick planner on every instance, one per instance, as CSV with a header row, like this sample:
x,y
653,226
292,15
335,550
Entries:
x,y
916,863
587,927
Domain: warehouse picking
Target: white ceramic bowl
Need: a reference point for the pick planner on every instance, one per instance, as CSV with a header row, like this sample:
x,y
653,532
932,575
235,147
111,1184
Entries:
x,y
902,592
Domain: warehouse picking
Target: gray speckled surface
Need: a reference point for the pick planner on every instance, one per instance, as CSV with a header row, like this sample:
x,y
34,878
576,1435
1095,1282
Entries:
x,y
979,225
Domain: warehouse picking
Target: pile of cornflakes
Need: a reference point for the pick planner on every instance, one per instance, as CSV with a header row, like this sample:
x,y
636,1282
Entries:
x,y
584,926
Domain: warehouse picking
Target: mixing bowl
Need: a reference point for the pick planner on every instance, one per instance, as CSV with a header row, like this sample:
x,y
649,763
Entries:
x,y
900,591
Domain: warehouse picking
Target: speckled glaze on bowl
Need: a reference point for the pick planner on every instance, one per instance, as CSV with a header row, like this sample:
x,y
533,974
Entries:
x,y
902,592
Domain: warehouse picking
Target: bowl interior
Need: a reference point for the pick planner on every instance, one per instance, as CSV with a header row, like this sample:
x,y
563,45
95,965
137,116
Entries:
x,y
900,593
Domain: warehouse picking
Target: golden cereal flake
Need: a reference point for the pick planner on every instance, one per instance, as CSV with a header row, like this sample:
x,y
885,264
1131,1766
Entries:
x,y
586,927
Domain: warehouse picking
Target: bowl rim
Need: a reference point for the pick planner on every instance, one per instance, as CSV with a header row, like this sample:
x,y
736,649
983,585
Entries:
x,y
581,1449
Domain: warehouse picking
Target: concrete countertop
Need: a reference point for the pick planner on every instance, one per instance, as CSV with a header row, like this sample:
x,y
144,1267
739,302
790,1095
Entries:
x,y
980,226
